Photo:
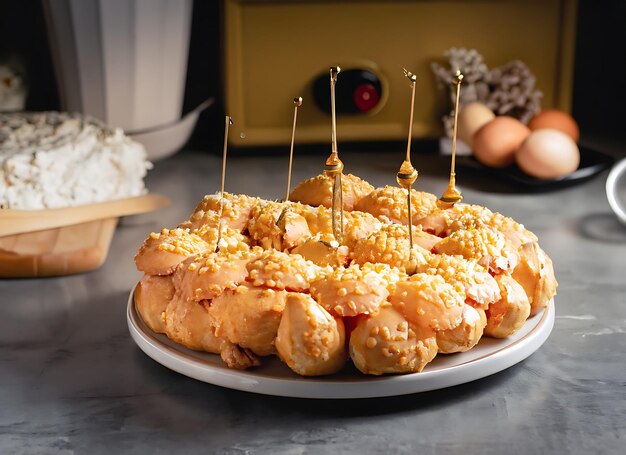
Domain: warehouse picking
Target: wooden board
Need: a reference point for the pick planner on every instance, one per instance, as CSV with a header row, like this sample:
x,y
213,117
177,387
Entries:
x,y
58,251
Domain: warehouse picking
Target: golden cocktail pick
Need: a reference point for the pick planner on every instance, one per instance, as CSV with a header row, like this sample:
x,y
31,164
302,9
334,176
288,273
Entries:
x,y
407,175
228,122
451,195
297,103
334,167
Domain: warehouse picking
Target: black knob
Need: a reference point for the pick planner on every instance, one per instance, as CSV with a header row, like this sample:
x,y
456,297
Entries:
x,y
358,91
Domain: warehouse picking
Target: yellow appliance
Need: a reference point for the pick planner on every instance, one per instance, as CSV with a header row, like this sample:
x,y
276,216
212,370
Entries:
x,y
276,50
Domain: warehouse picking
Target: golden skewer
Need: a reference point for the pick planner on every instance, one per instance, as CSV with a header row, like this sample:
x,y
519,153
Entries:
x,y
407,175
228,122
334,166
297,103
451,195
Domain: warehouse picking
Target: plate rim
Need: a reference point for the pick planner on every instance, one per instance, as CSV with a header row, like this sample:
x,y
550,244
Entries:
x,y
371,387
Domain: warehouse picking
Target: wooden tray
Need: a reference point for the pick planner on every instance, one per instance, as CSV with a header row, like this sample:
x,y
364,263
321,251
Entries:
x,y
64,241
58,251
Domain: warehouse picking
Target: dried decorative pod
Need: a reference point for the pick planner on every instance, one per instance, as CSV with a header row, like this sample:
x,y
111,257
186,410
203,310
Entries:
x,y
512,91
475,74
507,90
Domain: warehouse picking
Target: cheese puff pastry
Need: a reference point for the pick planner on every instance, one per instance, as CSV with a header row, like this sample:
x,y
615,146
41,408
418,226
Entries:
x,y
323,250
187,322
508,314
318,190
248,316
388,343
356,289
236,212
464,336
480,287
207,275
389,245
275,225
152,295
161,252
391,202
488,247
310,341
275,269
428,301
536,275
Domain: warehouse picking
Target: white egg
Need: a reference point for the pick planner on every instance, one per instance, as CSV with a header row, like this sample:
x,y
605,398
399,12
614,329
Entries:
x,y
548,154
473,117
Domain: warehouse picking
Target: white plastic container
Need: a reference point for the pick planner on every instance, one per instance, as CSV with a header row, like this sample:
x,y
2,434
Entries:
x,y
122,61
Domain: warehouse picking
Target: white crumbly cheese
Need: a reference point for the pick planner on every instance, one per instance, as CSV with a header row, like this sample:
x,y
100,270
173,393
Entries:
x,y
58,159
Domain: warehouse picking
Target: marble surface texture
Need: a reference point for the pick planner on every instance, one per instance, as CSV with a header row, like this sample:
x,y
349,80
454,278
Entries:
x,y
73,381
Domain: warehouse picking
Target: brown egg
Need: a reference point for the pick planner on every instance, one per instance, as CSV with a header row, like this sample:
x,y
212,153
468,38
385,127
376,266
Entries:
x,y
548,154
472,117
496,142
557,120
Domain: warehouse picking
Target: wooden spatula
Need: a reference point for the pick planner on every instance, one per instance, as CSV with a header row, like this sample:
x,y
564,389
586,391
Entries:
x,y
20,221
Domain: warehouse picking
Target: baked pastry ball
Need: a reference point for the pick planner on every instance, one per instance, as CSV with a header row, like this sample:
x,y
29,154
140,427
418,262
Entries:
x,y
187,322
152,295
508,314
222,238
161,252
535,274
479,286
275,225
514,233
428,301
388,343
355,289
547,284
389,245
318,190
440,220
358,225
275,269
310,341
236,211
207,275
248,316
319,219
464,336
391,202
323,250
487,246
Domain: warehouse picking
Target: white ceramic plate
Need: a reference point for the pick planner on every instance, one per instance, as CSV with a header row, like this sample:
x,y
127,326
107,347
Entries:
x,y
274,378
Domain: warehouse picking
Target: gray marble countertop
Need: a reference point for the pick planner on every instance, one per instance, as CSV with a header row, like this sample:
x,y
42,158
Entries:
x,y
73,381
